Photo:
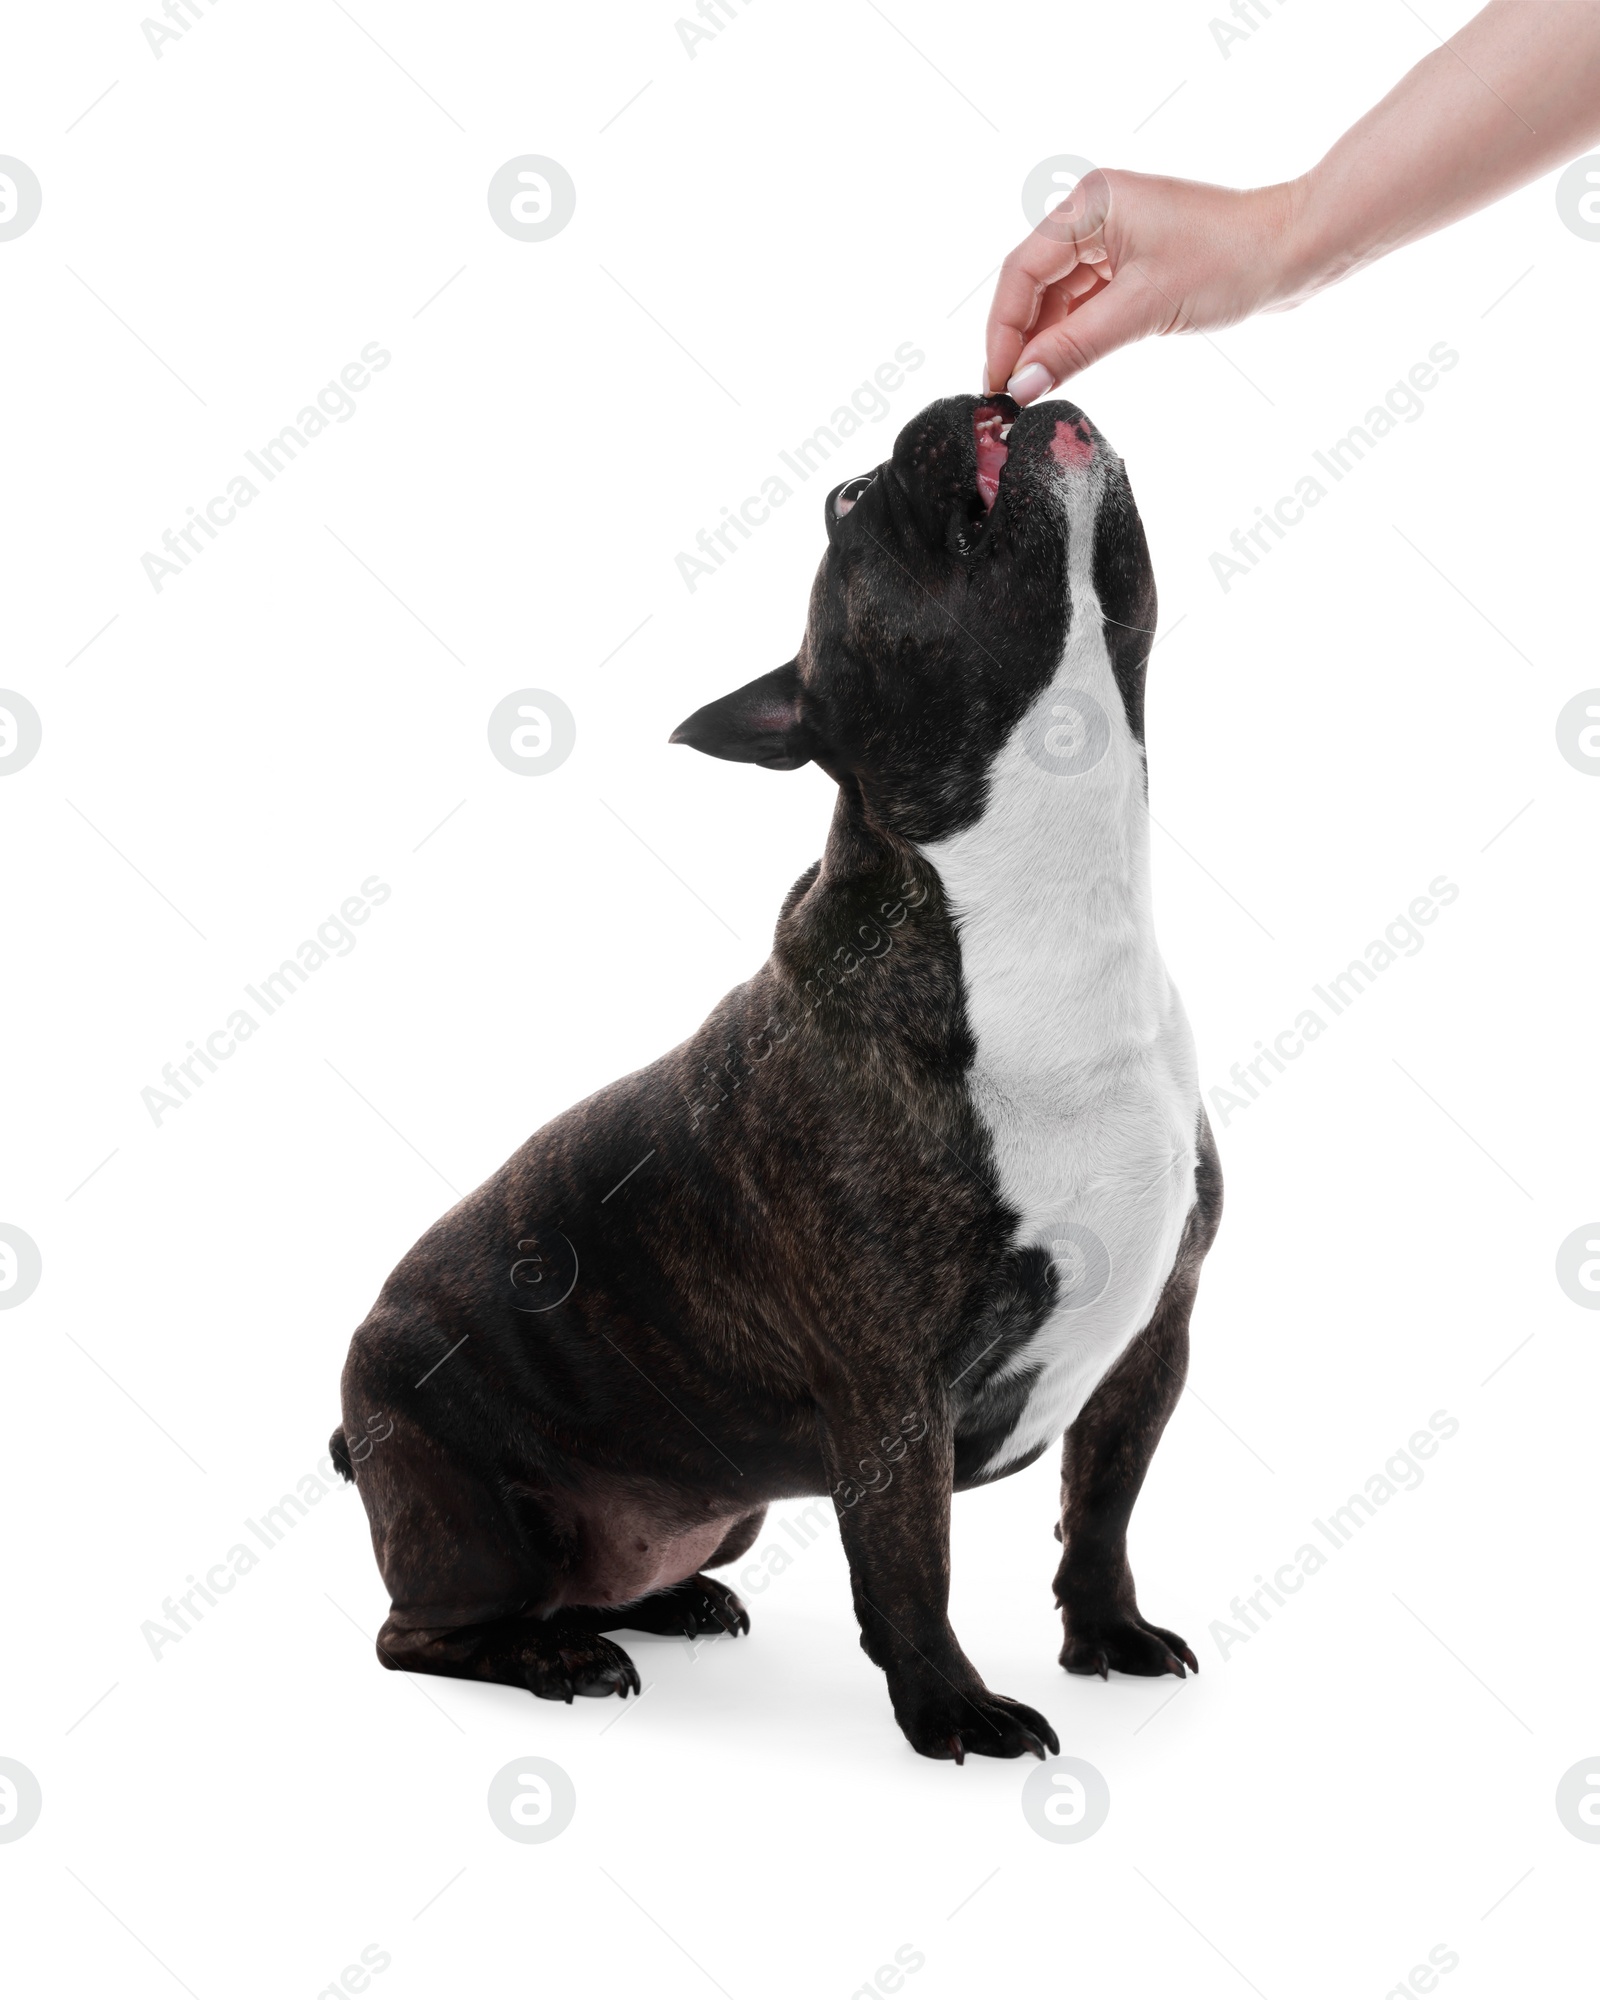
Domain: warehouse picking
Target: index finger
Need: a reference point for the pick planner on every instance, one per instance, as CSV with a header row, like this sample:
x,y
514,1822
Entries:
x,y
1072,234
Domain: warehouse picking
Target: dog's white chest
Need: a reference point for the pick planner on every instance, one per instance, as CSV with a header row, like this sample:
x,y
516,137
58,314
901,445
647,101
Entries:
x,y
1104,1183
1085,1072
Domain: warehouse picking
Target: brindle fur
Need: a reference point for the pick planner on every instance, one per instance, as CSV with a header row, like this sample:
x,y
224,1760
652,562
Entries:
x,y
774,1263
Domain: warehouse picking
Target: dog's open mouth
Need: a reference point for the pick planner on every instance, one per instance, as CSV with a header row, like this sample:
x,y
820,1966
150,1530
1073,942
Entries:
x,y
991,426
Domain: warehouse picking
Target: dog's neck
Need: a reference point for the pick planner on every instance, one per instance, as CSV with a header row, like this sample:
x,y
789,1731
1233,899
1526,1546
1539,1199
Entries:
x,y
1050,888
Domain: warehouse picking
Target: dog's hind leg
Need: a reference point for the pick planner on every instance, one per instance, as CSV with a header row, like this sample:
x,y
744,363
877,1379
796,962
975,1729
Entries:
x,y
475,1578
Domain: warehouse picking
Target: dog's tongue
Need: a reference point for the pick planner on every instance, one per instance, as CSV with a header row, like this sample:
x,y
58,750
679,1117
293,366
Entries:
x,y
990,426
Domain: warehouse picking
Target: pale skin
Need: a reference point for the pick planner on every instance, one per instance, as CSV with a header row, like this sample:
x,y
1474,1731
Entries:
x,y
1515,94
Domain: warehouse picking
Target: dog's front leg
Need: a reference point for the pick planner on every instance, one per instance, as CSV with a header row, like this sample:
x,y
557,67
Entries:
x,y
890,1461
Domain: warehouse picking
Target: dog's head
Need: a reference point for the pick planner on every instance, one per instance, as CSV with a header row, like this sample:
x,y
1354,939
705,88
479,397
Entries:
x,y
955,574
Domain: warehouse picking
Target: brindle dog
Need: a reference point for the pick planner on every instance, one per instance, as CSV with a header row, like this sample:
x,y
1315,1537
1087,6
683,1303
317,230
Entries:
x,y
930,1189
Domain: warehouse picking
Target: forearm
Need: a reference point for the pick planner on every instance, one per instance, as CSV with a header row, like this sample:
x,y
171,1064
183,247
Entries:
x,y
1514,94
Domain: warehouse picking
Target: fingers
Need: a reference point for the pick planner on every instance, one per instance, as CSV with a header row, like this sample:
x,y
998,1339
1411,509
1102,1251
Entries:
x,y
1061,260
1078,334
1025,277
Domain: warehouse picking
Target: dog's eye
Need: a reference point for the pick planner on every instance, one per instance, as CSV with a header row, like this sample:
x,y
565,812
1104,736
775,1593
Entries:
x,y
850,493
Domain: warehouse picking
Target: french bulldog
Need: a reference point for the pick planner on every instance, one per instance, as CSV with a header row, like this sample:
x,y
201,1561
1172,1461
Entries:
x,y
929,1191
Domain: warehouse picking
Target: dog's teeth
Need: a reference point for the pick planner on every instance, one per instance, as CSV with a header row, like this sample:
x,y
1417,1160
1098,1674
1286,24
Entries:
x,y
1005,432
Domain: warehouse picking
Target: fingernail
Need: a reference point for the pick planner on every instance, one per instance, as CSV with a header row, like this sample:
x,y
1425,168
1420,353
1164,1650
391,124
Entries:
x,y
986,378
1029,382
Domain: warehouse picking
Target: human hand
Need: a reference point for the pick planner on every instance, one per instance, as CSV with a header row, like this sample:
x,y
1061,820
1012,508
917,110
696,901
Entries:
x,y
1511,95
1127,255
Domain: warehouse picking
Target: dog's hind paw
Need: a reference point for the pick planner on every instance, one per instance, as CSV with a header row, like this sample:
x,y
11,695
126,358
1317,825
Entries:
x,y
713,1606
559,1666
697,1605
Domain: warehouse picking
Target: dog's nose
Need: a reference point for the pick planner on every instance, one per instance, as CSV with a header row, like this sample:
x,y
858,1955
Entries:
x,y
1072,445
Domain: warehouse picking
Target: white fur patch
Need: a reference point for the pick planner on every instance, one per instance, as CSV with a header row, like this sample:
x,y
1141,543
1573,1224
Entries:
x,y
1085,1072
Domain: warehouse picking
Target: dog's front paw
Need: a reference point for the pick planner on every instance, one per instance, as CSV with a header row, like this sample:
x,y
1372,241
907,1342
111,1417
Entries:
x,y
949,1724
1128,1644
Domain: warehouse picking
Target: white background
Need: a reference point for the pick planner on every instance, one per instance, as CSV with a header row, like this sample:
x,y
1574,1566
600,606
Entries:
x,y
1373,1773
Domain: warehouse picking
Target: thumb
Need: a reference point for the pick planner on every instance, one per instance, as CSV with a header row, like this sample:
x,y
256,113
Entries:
x,y
1127,309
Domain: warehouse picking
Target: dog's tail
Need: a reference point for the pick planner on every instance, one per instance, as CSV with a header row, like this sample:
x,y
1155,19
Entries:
x,y
339,1452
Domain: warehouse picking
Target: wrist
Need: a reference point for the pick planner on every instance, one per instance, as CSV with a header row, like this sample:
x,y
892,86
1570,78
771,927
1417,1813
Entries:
x,y
1322,238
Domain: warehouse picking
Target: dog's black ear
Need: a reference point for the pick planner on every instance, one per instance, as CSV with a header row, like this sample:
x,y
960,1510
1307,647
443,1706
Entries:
x,y
761,723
